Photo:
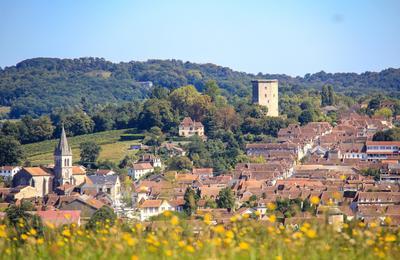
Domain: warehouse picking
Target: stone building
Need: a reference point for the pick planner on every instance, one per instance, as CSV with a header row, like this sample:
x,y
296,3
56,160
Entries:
x,y
189,127
265,93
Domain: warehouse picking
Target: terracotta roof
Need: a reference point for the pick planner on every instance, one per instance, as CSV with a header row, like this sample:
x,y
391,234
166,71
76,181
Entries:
x,y
142,166
7,168
188,122
78,170
60,217
396,143
202,171
36,171
151,204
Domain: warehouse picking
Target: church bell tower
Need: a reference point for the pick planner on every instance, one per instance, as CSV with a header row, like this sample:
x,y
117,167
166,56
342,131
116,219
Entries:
x,y
63,161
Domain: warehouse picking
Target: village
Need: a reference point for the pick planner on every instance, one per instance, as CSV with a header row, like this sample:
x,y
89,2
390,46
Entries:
x,y
314,172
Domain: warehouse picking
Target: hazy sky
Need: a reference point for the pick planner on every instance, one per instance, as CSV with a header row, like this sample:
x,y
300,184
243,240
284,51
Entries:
x,y
292,37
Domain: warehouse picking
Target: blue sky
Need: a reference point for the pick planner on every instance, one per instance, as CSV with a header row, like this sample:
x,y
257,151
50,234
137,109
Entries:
x,y
291,37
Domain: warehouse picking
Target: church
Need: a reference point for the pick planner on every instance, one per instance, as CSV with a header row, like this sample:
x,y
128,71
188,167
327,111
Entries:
x,y
45,180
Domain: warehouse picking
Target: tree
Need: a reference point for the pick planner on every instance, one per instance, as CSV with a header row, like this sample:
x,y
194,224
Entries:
x,y
11,152
306,117
387,135
211,89
324,96
103,216
78,123
226,199
225,118
190,197
385,112
22,221
331,96
179,163
374,104
89,152
158,113
187,101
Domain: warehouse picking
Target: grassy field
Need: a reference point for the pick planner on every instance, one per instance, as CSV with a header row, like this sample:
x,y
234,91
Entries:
x,y
111,148
175,238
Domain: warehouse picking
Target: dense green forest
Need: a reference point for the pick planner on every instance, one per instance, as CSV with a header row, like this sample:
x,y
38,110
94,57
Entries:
x,y
41,85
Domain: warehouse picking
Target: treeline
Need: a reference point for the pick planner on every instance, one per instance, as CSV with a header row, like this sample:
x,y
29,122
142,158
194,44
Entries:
x,y
39,86
228,125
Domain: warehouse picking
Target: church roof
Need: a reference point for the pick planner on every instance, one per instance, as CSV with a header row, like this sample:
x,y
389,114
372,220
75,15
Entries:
x,y
63,148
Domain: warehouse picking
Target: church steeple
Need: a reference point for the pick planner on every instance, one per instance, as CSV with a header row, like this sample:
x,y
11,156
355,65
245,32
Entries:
x,y
63,148
63,161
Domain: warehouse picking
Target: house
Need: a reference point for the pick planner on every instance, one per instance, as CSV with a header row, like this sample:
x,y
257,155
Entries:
x,y
23,192
155,161
150,208
203,172
188,128
85,204
171,150
9,171
78,174
138,170
36,177
59,217
109,184
382,150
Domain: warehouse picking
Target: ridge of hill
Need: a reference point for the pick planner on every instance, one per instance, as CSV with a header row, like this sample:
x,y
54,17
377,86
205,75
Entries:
x,y
39,85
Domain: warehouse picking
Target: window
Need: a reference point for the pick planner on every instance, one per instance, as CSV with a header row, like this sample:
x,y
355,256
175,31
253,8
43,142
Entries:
x,y
108,190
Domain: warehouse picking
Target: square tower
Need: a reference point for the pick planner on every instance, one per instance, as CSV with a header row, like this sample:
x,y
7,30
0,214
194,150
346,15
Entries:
x,y
265,93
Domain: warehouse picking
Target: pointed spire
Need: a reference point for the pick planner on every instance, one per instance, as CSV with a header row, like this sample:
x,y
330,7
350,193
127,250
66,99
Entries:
x,y
63,148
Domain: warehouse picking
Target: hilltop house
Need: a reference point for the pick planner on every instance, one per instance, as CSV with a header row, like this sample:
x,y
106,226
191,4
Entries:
x,y
188,128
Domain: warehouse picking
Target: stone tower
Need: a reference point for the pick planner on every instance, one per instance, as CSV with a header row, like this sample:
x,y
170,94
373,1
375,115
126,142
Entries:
x,y
63,161
265,93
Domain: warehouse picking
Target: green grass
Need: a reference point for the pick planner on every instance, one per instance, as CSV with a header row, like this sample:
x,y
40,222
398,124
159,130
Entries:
x,y
111,148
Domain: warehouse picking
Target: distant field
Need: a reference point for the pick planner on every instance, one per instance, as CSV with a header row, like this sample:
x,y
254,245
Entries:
x,y
112,148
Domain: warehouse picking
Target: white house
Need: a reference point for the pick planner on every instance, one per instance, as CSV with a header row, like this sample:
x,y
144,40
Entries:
x,y
138,170
9,171
150,208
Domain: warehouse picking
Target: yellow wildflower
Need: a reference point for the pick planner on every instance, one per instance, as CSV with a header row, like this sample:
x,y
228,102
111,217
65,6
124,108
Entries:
x,y
168,252
272,218
271,206
390,238
32,232
311,233
244,246
24,237
40,241
229,234
219,229
278,257
189,248
134,257
66,233
314,200
174,220
207,218
167,213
